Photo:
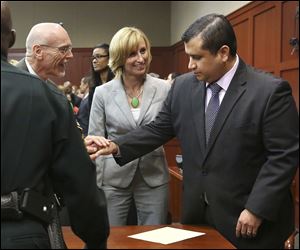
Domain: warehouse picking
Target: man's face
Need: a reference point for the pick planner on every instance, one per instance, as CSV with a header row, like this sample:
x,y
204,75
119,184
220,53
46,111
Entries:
x,y
206,66
56,56
83,86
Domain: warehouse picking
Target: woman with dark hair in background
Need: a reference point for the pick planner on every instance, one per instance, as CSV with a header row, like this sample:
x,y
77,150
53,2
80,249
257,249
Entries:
x,y
101,73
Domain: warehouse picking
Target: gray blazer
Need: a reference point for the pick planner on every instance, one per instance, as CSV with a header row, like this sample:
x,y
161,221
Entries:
x,y
111,117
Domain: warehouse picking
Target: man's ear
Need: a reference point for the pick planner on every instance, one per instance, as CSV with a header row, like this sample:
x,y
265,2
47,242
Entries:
x,y
12,38
37,51
224,52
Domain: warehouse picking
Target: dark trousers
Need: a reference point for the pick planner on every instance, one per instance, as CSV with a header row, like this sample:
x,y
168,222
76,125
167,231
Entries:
x,y
26,234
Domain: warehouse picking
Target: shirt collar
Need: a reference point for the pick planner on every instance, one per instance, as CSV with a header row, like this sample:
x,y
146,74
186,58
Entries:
x,y
30,69
225,80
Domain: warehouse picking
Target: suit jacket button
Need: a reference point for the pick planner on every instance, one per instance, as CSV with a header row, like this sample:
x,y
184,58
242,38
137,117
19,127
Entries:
x,y
204,172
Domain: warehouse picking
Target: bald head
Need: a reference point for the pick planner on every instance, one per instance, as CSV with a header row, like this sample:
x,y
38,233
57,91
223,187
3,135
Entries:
x,y
44,33
7,34
48,50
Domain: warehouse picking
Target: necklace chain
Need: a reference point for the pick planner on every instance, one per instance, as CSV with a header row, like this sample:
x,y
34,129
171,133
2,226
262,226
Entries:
x,y
135,102
139,94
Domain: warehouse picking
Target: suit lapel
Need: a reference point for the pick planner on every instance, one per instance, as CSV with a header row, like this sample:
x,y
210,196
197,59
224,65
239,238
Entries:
x,y
198,104
236,89
148,95
121,102
22,65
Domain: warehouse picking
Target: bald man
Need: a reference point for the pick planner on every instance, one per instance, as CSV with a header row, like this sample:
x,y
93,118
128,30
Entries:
x,y
40,144
48,50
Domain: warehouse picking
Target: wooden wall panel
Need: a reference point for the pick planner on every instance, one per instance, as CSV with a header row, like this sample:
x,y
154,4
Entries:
x,y
291,29
16,54
162,61
243,30
172,148
264,39
86,64
181,59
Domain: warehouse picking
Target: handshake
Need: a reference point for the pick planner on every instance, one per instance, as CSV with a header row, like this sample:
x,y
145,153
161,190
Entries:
x,y
98,145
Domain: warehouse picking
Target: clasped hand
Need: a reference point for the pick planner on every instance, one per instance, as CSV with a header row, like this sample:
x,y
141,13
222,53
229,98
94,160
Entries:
x,y
98,145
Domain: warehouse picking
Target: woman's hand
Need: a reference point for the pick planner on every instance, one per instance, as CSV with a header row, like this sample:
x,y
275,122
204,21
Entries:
x,y
94,143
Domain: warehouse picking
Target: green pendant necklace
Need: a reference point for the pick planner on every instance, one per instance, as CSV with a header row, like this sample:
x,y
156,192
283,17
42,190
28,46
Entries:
x,y
135,102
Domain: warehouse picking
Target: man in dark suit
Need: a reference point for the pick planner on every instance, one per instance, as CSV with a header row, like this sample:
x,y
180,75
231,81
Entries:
x,y
83,114
239,143
40,144
48,50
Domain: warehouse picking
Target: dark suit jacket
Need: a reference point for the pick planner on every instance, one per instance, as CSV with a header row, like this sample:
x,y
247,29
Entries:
x,y
84,115
22,65
39,137
249,162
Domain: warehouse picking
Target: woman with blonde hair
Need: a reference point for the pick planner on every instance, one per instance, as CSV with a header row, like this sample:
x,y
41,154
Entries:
x,y
131,99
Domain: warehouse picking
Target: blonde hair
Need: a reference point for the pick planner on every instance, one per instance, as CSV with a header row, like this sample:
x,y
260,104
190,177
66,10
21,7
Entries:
x,y
123,43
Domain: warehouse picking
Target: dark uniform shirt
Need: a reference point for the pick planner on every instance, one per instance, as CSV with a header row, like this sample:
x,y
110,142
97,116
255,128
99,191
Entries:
x,y
39,137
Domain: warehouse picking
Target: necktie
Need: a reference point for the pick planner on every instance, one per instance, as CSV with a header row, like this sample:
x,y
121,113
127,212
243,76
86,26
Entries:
x,y
212,109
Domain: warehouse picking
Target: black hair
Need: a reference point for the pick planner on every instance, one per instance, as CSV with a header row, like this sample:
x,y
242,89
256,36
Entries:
x,y
96,74
215,31
96,79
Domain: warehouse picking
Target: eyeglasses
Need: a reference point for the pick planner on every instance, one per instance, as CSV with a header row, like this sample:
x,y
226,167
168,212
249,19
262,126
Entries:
x,y
98,57
63,49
